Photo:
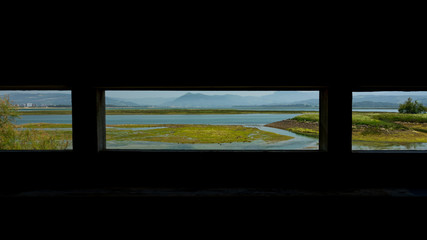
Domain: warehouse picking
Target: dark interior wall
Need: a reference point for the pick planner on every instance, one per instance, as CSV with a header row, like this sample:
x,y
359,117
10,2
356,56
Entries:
x,y
338,52
335,169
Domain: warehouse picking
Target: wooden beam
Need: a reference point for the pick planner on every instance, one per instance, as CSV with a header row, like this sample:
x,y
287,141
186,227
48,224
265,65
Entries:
x,y
324,120
88,120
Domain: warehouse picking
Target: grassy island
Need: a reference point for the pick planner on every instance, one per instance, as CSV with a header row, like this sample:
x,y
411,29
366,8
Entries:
x,y
305,124
389,127
190,133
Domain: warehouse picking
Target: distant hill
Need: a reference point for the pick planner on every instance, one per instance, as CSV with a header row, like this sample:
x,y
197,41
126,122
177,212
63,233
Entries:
x,y
229,100
53,99
389,98
39,99
202,100
149,101
291,97
119,103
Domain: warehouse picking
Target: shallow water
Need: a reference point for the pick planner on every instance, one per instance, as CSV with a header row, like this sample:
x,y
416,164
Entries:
x,y
63,119
375,110
297,143
365,145
215,119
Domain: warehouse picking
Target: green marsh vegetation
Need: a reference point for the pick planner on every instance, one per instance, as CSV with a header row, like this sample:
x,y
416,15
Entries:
x,y
376,129
389,127
13,137
190,133
309,117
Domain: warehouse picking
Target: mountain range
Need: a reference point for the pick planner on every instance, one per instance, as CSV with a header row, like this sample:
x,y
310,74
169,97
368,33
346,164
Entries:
x,y
387,101
199,100
229,100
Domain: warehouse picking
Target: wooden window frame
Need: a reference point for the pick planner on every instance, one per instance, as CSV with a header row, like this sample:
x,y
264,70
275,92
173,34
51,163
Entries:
x,y
333,165
323,111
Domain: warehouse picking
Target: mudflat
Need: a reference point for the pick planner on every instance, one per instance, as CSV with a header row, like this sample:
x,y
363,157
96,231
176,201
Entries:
x,y
307,128
288,124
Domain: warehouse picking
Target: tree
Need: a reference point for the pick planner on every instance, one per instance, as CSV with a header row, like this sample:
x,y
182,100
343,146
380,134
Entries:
x,y
8,114
412,107
24,139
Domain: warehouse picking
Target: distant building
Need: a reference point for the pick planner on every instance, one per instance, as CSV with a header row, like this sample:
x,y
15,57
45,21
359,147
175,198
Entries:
x,y
29,105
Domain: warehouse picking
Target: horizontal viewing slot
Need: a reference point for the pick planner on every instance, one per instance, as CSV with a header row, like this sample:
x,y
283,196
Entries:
x,y
389,121
212,120
35,120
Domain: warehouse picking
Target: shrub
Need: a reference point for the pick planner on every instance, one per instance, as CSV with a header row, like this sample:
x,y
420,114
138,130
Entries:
x,y
412,107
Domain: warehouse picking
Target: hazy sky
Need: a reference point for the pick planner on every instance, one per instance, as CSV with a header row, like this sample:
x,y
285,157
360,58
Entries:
x,y
390,93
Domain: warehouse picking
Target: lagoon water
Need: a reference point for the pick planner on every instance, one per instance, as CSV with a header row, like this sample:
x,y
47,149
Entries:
x,y
375,110
217,119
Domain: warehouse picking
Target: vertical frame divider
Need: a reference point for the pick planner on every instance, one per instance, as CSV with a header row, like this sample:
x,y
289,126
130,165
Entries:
x,y
88,120
323,120
339,120
101,119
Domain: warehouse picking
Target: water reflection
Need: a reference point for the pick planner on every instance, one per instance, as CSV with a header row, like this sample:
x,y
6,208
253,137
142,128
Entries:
x,y
365,145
